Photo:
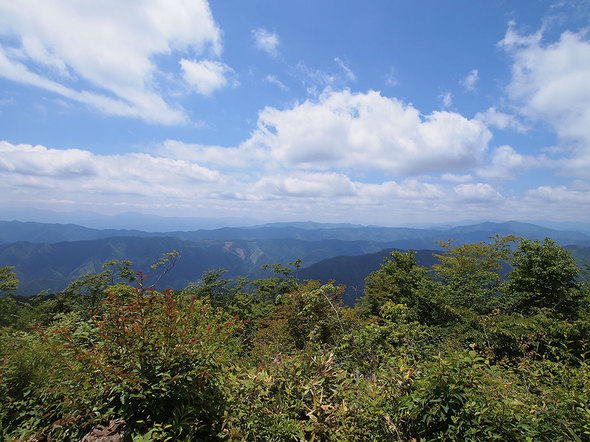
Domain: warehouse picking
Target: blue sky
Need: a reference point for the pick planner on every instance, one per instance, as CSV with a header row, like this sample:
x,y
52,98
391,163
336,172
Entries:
x,y
375,112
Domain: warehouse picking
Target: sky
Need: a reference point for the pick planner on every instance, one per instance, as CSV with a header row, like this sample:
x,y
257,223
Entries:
x,y
373,112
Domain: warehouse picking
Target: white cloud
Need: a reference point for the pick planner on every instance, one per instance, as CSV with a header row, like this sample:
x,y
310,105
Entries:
x,y
562,194
470,81
316,80
504,162
477,193
391,79
550,83
409,190
109,44
272,79
577,165
35,50
367,131
266,41
347,71
308,185
244,156
500,120
183,179
454,178
559,202
446,100
80,175
206,76
151,108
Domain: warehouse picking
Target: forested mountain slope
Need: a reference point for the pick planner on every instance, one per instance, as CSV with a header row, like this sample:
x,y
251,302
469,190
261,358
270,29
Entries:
x,y
50,256
53,266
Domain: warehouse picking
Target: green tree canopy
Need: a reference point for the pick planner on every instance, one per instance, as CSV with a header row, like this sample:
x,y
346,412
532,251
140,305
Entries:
x,y
8,281
471,273
400,280
544,275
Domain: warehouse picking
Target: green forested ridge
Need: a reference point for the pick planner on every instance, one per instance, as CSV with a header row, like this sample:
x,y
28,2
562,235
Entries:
x,y
454,351
53,266
50,256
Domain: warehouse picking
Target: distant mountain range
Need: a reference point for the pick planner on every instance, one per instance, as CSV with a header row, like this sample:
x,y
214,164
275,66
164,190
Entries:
x,y
155,223
49,256
400,237
127,220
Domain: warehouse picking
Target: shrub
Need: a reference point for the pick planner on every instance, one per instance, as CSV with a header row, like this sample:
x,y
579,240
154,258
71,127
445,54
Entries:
x,y
148,357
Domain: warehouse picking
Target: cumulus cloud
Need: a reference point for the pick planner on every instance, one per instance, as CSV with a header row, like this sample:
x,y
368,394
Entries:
x,y
110,45
206,76
470,81
549,83
477,193
79,174
266,41
344,130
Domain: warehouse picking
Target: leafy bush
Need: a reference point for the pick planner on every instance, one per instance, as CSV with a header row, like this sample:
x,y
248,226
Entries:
x,y
149,357
307,396
452,353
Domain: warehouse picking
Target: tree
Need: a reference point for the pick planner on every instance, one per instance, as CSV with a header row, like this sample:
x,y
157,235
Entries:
x,y
400,280
9,307
310,315
543,275
472,273
273,287
8,281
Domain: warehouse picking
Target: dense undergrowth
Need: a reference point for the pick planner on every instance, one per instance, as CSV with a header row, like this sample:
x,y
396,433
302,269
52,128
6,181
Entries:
x,y
455,352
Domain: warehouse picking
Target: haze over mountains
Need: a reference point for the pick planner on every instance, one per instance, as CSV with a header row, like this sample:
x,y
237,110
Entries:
x,y
48,256
403,237
126,220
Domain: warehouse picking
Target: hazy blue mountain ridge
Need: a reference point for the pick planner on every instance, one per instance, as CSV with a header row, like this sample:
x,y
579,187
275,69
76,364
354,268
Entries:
x,y
403,237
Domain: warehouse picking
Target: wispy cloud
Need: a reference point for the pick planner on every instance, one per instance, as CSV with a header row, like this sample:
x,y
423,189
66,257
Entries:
x,y
347,71
266,41
148,105
446,99
471,80
272,79
111,50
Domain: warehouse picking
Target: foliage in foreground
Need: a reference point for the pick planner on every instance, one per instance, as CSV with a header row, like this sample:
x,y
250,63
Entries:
x,y
456,352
